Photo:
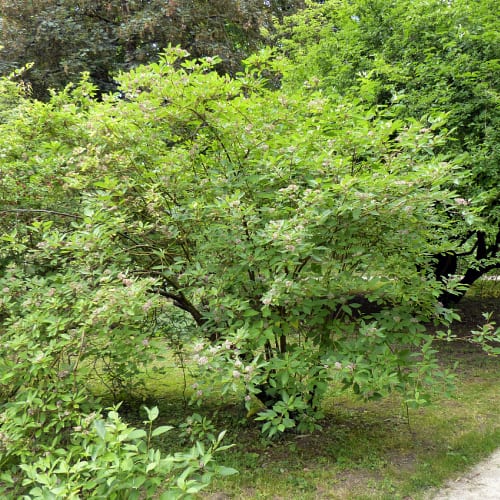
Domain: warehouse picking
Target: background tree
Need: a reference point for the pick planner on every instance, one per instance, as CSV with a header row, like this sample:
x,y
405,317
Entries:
x,y
418,59
64,38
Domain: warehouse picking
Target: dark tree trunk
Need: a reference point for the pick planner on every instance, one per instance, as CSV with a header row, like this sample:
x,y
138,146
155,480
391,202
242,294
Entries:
x,y
447,264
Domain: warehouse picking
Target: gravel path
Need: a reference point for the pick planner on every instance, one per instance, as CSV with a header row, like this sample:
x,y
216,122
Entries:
x,y
480,483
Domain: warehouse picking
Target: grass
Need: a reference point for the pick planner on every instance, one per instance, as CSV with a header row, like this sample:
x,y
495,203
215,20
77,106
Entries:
x,y
369,450
365,450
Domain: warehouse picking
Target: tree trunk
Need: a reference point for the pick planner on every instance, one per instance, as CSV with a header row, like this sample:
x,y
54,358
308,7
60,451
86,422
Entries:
x,y
447,265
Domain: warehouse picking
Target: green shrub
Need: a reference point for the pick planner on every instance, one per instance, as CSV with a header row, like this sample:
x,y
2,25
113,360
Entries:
x,y
103,457
296,229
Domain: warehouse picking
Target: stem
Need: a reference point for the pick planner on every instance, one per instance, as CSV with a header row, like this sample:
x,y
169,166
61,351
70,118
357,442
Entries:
x,y
282,344
78,357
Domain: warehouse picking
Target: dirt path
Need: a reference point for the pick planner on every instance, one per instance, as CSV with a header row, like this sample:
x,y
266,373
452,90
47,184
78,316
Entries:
x,y
480,483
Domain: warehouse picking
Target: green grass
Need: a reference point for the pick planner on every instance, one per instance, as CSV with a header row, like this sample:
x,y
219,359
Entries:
x,y
365,450
487,287
369,450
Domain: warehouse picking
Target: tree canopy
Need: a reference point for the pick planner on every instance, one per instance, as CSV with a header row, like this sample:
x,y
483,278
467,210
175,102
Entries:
x,y
65,38
418,59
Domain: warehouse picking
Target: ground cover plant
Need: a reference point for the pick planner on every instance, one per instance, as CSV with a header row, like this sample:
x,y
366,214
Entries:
x,y
274,244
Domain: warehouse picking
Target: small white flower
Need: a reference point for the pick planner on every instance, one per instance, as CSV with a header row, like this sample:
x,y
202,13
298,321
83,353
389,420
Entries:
x,y
39,357
198,347
203,360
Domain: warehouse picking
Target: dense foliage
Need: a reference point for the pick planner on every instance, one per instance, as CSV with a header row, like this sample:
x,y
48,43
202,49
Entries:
x,y
64,38
417,59
251,210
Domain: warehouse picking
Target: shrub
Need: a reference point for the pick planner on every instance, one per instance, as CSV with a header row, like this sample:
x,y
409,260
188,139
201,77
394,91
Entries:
x,y
297,228
107,458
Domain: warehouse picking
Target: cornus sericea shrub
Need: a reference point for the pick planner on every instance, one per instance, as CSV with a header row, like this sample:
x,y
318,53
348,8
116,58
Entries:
x,y
294,229
107,458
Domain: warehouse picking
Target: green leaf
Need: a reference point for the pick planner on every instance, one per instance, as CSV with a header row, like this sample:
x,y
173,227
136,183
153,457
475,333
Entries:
x,y
161,430
152,412
136,434
100,428
225,471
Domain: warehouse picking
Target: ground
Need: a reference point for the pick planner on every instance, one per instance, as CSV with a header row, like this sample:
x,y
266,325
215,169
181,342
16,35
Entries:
x,y
482,482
